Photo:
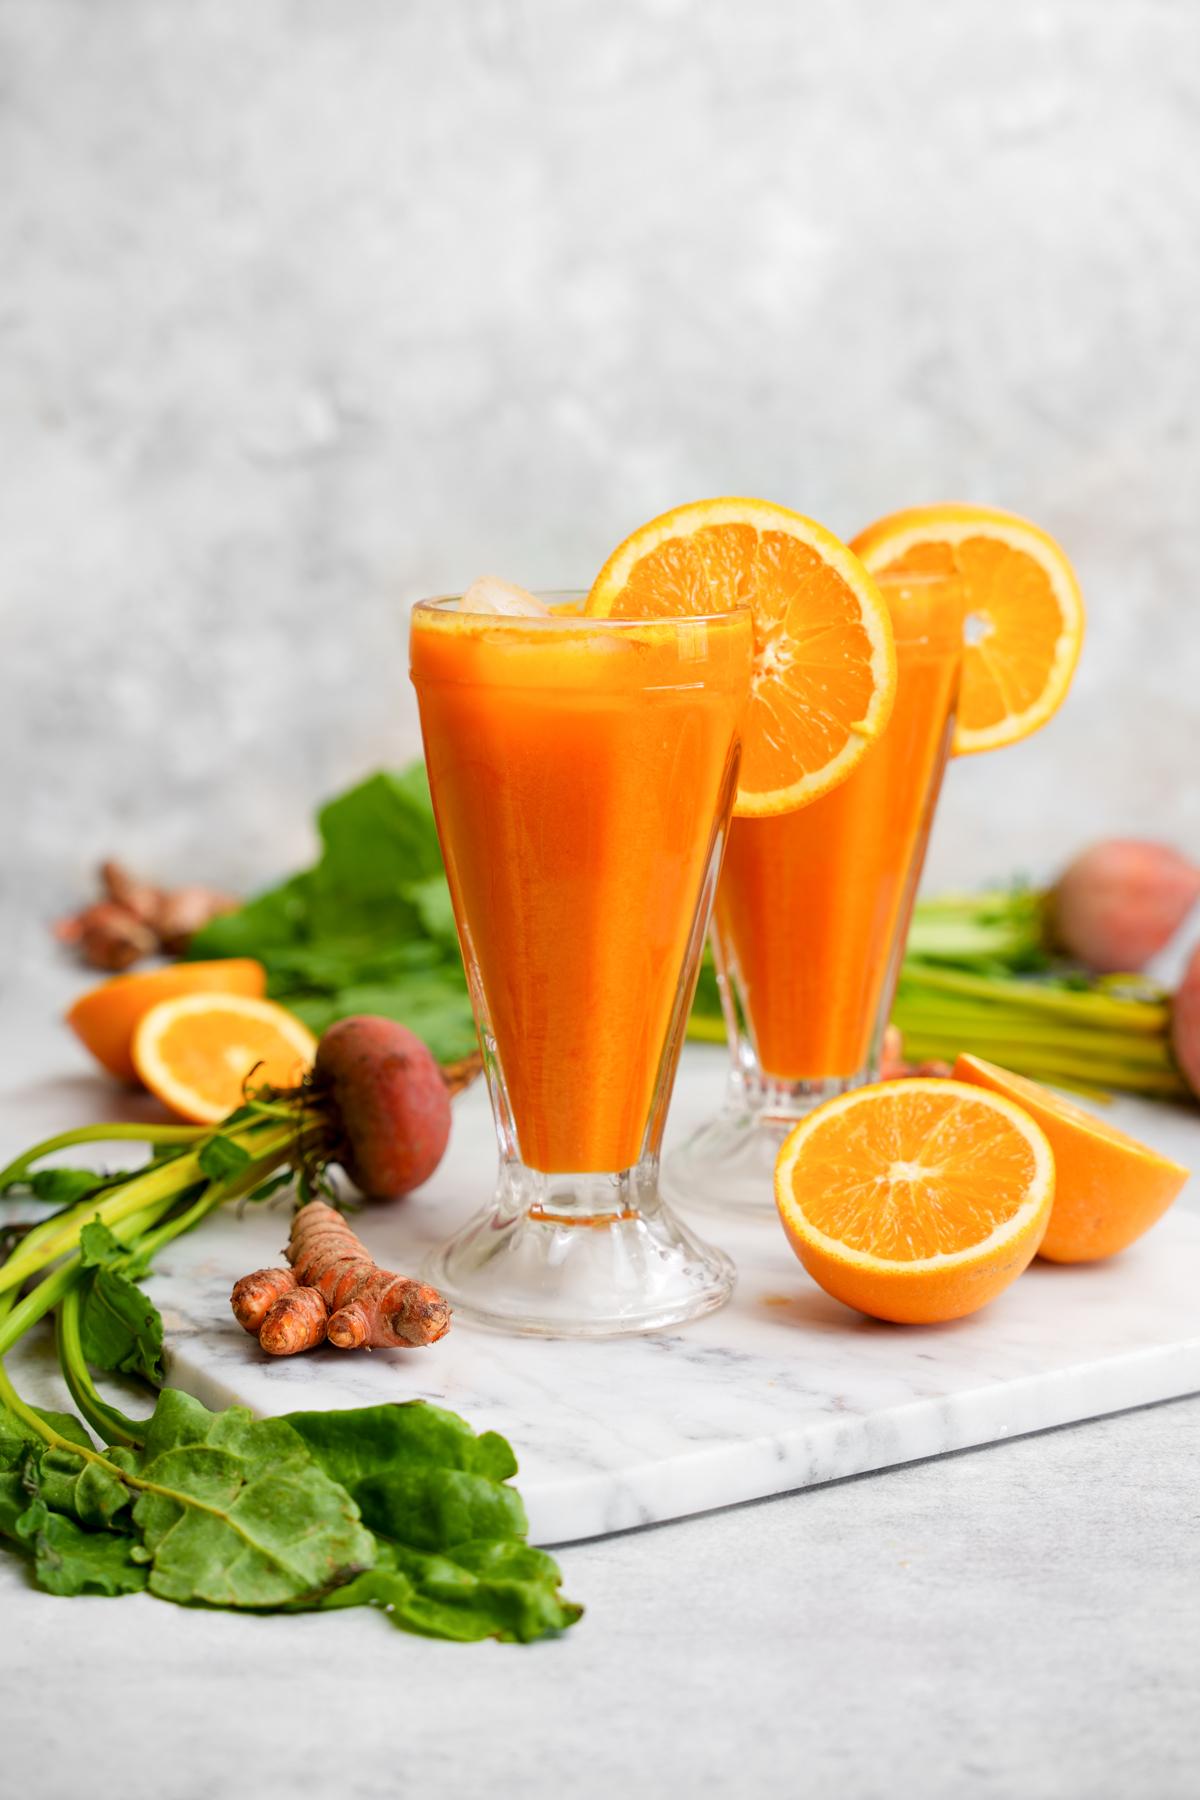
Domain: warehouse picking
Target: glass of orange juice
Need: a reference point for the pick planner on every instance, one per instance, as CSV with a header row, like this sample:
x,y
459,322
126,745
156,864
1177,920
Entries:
x,y
812,915
582,773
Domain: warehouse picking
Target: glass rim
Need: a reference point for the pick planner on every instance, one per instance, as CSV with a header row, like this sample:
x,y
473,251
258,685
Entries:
x,y
443,603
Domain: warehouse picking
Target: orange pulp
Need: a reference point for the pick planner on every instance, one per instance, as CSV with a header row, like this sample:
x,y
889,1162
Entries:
x,y
582,773
813,906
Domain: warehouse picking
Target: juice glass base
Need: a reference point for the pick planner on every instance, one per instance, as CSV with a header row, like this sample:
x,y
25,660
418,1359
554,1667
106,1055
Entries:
x,y
583,1256
728,1165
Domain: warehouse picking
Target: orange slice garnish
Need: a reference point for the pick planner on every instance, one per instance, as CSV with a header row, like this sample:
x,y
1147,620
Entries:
x,y
1109,1188
916,1200
825,664
1023,611
197,1051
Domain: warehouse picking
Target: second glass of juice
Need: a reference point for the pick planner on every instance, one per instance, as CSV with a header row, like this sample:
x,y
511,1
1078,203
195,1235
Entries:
x,y
811,920
582,773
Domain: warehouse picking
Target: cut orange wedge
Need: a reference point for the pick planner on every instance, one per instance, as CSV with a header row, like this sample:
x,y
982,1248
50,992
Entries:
x,y
1021,602
825,664
106,1017
1109,1188
916,1200
197,1052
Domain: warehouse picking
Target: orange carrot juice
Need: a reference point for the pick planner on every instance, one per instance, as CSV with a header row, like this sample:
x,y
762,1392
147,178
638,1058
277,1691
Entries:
x,y
581,773
813,906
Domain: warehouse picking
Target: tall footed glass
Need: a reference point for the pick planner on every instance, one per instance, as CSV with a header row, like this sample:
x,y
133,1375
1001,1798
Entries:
x,y
812,916
583,773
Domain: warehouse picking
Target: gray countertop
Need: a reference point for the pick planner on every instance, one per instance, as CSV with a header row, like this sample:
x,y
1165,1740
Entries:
x,y
1021,1620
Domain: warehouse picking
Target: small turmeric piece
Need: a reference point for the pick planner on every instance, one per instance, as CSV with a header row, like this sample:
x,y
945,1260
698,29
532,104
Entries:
x,y
299,1320
335,1290
254,1296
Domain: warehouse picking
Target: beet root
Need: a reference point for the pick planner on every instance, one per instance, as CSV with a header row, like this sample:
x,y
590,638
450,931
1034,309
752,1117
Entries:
x,y
392,1102
1118,903
1185,1022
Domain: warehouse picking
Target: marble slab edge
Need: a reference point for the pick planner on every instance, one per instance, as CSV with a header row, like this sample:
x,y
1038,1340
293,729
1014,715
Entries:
x,y
572,1509
732,1474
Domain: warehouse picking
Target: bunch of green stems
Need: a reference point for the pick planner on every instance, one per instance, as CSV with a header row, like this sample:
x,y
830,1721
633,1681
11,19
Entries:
x,y
144,1210
980,974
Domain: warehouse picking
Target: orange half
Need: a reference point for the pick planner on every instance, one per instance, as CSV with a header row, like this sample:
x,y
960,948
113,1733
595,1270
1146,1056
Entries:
x,y
197,1052
1110,1188
825,663
916,1200
1020,600
106,1017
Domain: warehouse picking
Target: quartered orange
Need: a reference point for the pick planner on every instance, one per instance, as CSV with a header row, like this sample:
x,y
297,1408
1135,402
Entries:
x,y
825,664
1020,599
916,1200
1109,1189
198,1051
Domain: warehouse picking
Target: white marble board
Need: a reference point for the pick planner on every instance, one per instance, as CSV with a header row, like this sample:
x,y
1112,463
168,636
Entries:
x,y
782,1389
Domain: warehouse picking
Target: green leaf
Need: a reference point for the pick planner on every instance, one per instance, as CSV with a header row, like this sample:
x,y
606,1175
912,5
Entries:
x,y
369,928
17,1438
707,1003
70,1560
435,1007
14,1499
99,1248
359,1443
236,1512
222,1157
48,1496
504,1591
453,1559
431,899
66,1187
67,1483
120,1327
86,1490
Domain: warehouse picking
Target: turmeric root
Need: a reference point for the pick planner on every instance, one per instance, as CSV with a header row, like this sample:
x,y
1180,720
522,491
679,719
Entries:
x,y
334,1289
284,1317
367,1305
299,1320
254,1296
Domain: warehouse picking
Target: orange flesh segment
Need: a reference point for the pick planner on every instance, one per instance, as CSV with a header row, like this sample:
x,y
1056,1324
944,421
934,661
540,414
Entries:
x,y
920,1175
1013,621
1023,611
198,1052
911,1202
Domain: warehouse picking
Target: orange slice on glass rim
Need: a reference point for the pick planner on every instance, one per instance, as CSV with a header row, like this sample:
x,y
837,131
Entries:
x,y
825,663
197,1051
916,1200
1020,600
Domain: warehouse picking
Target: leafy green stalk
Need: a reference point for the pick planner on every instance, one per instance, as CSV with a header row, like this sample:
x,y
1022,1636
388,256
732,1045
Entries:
x,y
158,1186
108,1422
17,1170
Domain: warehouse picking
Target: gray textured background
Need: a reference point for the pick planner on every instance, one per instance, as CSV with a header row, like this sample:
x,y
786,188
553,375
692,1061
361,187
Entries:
x,y
307,309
